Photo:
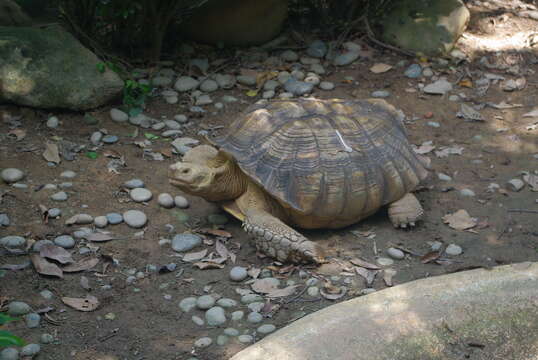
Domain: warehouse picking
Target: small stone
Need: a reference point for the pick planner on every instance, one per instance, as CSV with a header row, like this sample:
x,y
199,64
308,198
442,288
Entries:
x,y
165,200
226,303
317,68
82,233
222,340
317,49
172,133
11,175
217,219
256,306
289,56
172,124
453,250
346,58
135,218
454,98
198,320
13,241
9,354
186,83
185,242
231,332
203,342
83,219
65,241
237,315
434,124
266,329
285,95
46,338
161,81
380,94
395,253
32,320
428,72
312,281
246,80
66,185
250,298
68,174
312,79
269,94
209,85
100,221
59,196
283,76
187,304
182,119
181,202
25,186
271,85
4,219
326,85
254,317
440,87
298,74
215,316
203,100
205,302
110,139
53,122
46,294
467,192
305,60
413,71
140,194
229,99
313,291
114,218
298,88
367,291
238,273
245,339
118,115
383,261
436,245
443,177
225,81
16,308
515,185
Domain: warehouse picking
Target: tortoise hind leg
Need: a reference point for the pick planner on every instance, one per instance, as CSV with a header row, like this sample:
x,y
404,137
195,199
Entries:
x,y
405,211
278,240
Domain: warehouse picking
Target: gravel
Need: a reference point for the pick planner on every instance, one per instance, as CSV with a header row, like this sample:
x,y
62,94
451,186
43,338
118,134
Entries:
x,y
326,85
346,58
135,218
245,339
380,94
467,192
237,315
185,242
46,338
297,87
198,320
68,174
209,85
110,139
231,332
226,303
413,71
238,273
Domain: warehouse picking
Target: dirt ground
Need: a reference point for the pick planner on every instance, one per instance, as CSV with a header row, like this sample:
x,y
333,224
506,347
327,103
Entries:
x,y
148,323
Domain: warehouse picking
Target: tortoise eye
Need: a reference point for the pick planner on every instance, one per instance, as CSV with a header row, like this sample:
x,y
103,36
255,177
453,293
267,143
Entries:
x,y
185,171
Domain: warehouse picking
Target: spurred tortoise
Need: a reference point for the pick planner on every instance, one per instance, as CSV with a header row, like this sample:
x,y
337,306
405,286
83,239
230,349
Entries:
x,y
307,163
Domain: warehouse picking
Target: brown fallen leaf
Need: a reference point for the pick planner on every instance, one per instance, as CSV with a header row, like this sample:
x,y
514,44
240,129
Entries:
x,y
287,291
460,220
57,253
195,256
431,256
81,265
51,153
89,303
264,286
44,267
85,283
388,274
204,265
215,232
364,264
100,237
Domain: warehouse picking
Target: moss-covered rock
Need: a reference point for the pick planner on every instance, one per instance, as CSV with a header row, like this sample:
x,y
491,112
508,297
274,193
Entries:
x,y
49,68
237,22
431,27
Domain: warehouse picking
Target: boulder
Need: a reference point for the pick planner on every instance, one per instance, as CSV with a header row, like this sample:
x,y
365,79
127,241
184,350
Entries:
x,y
11,14
431,27
49,68
237,22
477,314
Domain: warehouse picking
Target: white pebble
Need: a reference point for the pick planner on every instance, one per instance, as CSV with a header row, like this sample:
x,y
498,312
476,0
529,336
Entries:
x,y
203,342
326,85
453,250
100,221
166,200
135,218
395,253
238,273
53,122
11,175
140,194
181,202
118,115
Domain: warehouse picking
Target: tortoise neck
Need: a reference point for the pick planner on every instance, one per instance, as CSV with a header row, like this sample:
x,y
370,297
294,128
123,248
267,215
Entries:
x,y
230,184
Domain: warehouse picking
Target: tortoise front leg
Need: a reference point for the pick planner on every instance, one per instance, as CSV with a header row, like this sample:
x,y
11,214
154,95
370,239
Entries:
x,y
405,211
278,240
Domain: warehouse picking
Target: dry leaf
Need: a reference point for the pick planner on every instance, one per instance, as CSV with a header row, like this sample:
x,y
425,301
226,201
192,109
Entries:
x,y
221,249
424,148
254,272
287,291
431,256
57,253
85,283
368,275
261,78
89,303
204,265
532,180
81,265
99,237
44,267
380,68
533,113
364,264
195,256
51,153
264,286
18,134
388,274
331,292
460,220
466,83
215,232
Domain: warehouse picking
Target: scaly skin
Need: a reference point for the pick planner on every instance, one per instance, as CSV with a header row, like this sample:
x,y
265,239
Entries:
x,y
406,211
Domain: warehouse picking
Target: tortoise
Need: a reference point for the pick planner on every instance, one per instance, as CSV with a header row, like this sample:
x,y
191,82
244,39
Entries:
x,y
307,163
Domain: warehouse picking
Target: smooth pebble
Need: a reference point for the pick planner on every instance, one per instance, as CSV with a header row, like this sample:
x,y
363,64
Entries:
x,y
65,241
11,175
395,253
185,242
16,308
181,202
453,250
165,200
140,194
59,196
203,342
205,302
134,183
215,316
32,320
114,218
266,329
135,218
100,221
238,273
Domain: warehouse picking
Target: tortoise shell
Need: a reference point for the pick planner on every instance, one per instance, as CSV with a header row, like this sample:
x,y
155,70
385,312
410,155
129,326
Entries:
x,y
328,158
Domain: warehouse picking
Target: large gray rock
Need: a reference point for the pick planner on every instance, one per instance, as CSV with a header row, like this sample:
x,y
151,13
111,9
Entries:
x,y
428,26
11,14
432,318
49,68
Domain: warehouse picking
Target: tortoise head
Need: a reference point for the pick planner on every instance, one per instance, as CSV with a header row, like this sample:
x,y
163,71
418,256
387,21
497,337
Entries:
x,y
208,173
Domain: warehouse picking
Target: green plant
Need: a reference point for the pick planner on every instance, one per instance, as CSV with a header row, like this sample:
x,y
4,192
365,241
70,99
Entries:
x,y
7,338
134,96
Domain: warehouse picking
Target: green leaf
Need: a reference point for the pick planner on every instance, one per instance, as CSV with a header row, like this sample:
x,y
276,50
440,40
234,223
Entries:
x,y
150,136
4,319
101,67
8,339
135,111
92,155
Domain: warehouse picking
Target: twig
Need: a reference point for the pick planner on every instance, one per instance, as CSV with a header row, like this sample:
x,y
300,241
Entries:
x,y
372,38
523,211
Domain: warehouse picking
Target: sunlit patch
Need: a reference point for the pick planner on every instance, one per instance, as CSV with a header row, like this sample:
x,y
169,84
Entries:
x,y
498,42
